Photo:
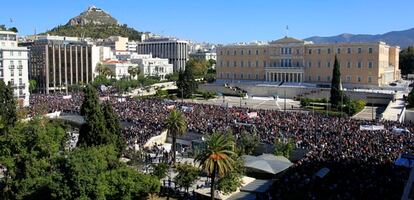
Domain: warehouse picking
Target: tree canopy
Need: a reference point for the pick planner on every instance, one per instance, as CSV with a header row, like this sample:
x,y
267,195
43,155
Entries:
x,y
407,60
8,105
186,82
336,88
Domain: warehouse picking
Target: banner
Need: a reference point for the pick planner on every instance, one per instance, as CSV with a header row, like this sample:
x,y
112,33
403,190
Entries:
x,y
187,108
371,127
104,98
170,107
67,97
252,114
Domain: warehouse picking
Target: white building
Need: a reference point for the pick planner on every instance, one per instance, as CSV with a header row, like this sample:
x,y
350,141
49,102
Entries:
x,y
99,55
14,66
150,66
120,68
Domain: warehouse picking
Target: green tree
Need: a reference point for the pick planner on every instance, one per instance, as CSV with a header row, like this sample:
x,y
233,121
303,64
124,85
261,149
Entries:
x,y
172,77
160,170
113,125
211,63
407,60
217,157
336,90
176,125
186,82
187,175
133,71
104,70
32,85
199,67
14,29
284,148
94,131
8,106
231,181
248,143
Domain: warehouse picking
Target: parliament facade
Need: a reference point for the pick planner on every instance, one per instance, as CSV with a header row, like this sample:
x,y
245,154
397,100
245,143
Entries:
x,y
297,61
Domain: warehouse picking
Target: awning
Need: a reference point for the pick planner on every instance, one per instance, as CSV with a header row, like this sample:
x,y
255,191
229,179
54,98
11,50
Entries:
x,y
266,163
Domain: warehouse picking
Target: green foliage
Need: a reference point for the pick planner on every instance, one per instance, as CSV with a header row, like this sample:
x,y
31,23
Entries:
x,y
8,106
198,66
353,107
187,175
211,62
217,157
94,131
208,95
14,29
233,180
133,71
284,148
186,82
161,93
172,77
113,125
104,70
176,125
407,60
32,85
336,90
101,80
309,101
96,31
247,143
160,170
2,27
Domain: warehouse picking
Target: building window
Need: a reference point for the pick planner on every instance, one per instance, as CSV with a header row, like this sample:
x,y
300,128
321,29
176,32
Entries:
x,y
20,72
221,75
329,51
234,76
369,79
235,52
310,51
319,78
359,79
310,78
228,75
370,50
290,63
339,51
297,64
221,52
20,81
328,78
257,76
241,75
228,63
319,51
257,63
349,50
221,63
319,64
290,50
241,52
250,53
348,78
234,64
241,64
249,63
248,76
309,64
359,50
11,72
328,64
281,50
12,81
264,63
297,51
348,64
359,64
257,52
370,65
228,52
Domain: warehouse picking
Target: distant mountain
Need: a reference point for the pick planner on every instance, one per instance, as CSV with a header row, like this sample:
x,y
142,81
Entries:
x,y
93,15
401,38
94,23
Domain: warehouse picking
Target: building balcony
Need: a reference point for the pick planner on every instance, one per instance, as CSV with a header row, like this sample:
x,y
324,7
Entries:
x,y
20,67
11,67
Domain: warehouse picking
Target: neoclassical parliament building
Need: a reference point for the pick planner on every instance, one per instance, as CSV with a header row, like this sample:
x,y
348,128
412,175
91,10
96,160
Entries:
x,y
289,60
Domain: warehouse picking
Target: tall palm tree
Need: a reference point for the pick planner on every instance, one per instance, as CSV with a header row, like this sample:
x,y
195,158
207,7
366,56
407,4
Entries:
x,y
216,158
176,125
133,71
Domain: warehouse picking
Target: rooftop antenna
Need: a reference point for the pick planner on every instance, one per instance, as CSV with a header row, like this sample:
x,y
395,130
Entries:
x,y
287,30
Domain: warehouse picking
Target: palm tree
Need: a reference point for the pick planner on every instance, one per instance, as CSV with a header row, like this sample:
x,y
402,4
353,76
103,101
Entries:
x,y
133,71
176,125
217,157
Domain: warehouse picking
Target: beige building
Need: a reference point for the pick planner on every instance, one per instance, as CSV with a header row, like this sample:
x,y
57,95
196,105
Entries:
x,y
293,60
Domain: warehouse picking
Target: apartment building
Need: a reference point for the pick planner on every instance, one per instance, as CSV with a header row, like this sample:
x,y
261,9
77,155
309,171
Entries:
x,y
292,60
176,51
14,66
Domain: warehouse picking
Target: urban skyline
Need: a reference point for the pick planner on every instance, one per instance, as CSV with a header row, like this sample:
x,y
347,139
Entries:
x,y
222,21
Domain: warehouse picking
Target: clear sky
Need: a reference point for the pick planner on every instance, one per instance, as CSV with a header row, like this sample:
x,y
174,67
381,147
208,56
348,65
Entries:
x,y
222,21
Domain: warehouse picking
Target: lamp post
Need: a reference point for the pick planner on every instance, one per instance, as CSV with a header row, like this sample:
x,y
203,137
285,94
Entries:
x,y
284,104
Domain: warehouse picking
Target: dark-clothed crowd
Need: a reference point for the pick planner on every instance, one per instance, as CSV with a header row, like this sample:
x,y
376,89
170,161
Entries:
x,y
360,161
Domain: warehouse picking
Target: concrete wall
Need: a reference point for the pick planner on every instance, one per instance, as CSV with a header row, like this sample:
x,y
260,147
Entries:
x,y
409,115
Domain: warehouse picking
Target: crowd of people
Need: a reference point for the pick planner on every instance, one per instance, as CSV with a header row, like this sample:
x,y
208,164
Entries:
x,y
360,161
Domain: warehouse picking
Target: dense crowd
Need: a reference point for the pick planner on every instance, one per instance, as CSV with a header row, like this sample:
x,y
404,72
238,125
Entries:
x,y
360,161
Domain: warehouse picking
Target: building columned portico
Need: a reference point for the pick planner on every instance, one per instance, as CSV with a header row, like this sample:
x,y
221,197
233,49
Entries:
x,y
284,75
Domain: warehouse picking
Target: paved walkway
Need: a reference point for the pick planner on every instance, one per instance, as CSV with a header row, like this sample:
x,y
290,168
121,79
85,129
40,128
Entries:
x,y
369,112
394,108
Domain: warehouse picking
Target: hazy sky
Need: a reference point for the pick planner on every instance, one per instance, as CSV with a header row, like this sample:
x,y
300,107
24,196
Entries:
x,y
222,21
